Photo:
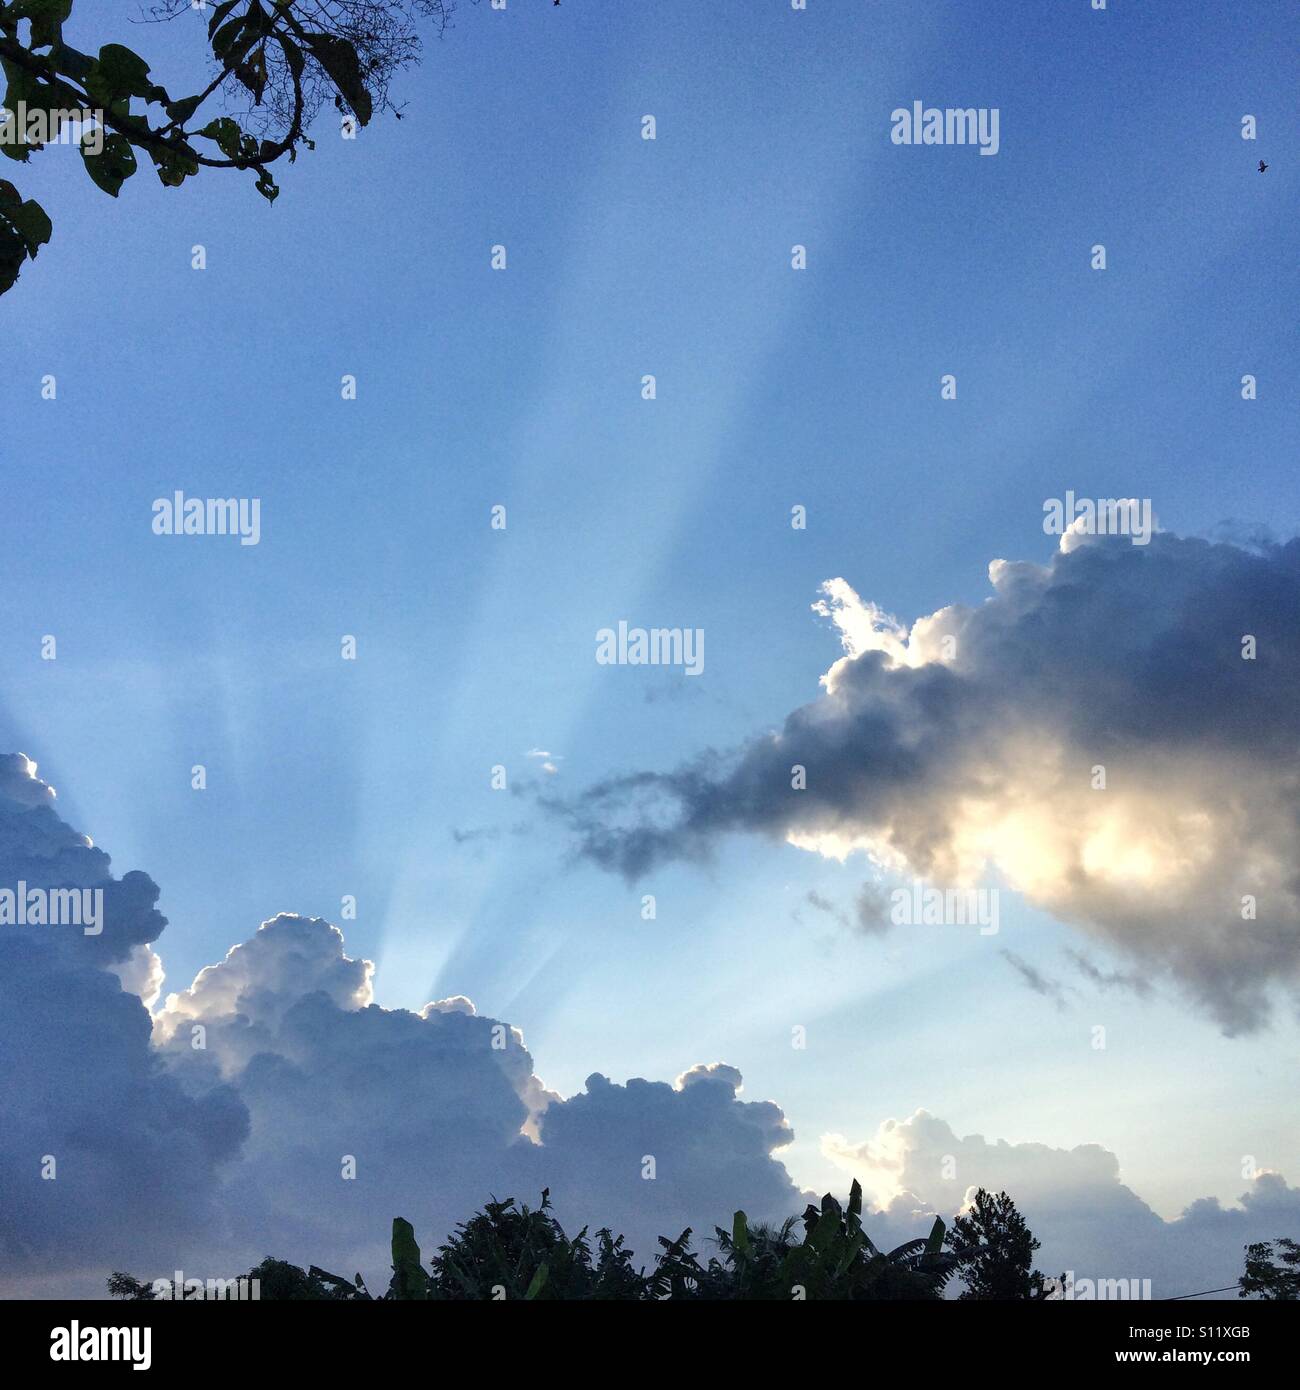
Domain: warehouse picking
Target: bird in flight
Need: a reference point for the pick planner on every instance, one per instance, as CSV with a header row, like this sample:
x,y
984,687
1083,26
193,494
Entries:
x,y
1262,166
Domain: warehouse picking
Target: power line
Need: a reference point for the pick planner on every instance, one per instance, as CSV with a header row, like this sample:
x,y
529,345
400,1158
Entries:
x,y
1178,1296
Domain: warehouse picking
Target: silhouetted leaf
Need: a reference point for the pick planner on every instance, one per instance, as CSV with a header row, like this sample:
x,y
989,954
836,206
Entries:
x,y
111,168
339,59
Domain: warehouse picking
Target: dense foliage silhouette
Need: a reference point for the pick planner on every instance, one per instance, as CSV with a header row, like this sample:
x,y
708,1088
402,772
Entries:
x,y
511,1251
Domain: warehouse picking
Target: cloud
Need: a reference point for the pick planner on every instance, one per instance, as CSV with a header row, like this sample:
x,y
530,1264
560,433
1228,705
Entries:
x,y
230,1126
103,1154
814,899
975,742
439,1110
39,849
1108,979
1036,980
274,1107
600,1145
357,1113
871,909
1087,1219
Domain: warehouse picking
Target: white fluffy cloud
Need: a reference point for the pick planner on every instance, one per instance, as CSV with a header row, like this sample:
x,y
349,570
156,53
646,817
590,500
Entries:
x,y
221,1129
970,743
439,1110
1089,1222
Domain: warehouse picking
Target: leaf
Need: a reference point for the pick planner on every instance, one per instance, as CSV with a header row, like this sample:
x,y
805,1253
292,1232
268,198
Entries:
x,y
68,62
341,64
409,1278
934,1242
252,73
854,1248
111,168
23,90
13,253
24,228
224,40
232,41
822,1236
173,166
181,111
47,17
33,224
337,1280
538,1282
221,11
118,73
226,133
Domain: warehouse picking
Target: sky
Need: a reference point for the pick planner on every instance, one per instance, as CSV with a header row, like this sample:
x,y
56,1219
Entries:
x,y
775,388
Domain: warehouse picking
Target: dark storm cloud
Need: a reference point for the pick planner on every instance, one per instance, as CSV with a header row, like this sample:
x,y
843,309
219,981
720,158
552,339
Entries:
x,y
972,742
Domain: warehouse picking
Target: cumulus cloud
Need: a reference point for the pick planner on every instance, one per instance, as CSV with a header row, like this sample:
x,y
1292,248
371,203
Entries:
x,y
274,1107
231,1125
635,1150
975,742
39,849
290,958
356,1112
103,1154
1088,1221
440,1109
142,974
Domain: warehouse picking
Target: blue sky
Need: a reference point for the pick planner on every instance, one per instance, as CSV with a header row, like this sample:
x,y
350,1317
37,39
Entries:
x,y
523,388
